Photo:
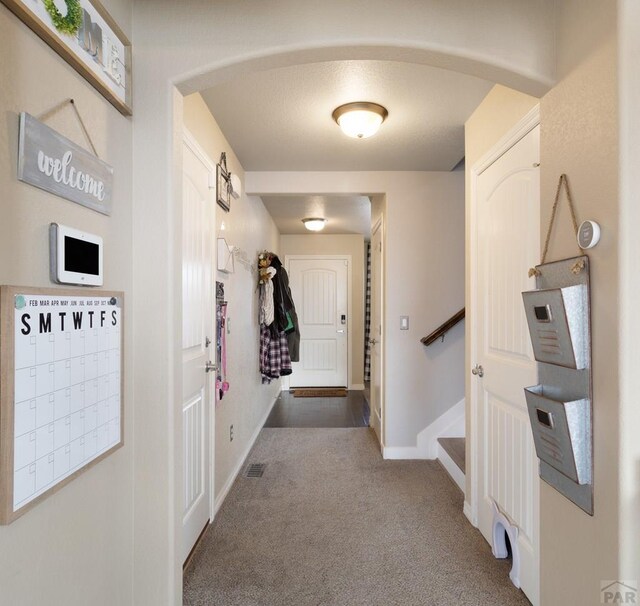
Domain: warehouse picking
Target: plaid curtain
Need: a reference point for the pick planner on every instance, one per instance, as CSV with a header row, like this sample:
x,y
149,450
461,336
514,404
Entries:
x,y
367,318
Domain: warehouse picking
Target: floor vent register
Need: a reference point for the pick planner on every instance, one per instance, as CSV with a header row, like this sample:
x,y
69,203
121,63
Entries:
x,y
255,470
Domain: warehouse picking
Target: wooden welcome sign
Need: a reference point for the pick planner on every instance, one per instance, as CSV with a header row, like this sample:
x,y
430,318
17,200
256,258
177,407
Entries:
x,y
52,162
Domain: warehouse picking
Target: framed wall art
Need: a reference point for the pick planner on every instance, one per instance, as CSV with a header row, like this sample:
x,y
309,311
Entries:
x,y
83,33
223,184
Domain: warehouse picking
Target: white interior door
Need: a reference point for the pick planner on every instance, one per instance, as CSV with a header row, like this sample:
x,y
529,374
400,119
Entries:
x,y
319,286
198,323
508,207
375,337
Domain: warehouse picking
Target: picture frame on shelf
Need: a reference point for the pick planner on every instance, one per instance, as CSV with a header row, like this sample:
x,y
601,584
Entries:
x,y
86,37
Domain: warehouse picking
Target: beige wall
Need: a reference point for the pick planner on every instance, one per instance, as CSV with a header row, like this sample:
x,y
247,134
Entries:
x,y
76,547
579,137
249,228
353,245
499,111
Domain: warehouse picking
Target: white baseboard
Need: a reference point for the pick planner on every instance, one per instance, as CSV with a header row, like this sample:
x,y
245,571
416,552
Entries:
x,y
450,425
232,477
469,513
452,469
357,387
401,452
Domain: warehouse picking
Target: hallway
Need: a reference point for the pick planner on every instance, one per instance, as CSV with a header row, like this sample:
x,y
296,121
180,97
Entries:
x,y
331,523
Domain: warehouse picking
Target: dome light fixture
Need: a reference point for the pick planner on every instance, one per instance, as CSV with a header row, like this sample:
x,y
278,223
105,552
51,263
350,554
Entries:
x,y
360,119
314,223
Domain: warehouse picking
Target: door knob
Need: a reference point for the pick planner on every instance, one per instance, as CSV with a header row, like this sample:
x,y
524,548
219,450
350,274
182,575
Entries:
x,y
477,370
209,366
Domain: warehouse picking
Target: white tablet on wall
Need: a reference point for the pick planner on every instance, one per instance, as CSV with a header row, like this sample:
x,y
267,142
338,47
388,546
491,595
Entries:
x,y
75,256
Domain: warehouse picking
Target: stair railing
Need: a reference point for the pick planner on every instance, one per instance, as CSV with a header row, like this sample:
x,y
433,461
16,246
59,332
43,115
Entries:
x,y
443,329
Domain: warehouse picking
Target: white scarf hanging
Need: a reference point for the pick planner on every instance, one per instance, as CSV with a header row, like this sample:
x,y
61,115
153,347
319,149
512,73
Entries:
x,y
268,309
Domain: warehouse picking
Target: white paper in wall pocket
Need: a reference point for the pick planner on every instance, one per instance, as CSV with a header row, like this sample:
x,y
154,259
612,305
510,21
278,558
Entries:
x,y
225,256
236,186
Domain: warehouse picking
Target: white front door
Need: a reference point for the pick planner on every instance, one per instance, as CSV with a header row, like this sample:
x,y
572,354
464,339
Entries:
x,y
319,287
507,236
375,335
198,323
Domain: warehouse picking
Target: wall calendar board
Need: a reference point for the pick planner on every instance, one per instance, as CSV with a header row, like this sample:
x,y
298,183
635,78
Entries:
x,y
61,373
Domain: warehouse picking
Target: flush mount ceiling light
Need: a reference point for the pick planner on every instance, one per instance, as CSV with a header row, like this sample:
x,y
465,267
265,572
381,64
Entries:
x,y
360,119
314,224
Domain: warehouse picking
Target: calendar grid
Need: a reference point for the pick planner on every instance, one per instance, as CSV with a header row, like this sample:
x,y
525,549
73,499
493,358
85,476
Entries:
x,y
66,389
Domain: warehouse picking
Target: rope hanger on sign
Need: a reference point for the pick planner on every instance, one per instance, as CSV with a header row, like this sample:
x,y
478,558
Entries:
x,y
52,112
579,265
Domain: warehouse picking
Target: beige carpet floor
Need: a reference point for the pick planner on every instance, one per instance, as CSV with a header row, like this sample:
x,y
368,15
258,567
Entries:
x,y
331,523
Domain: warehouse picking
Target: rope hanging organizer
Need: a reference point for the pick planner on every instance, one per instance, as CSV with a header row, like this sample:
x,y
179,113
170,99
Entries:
x,y
560,405
579,265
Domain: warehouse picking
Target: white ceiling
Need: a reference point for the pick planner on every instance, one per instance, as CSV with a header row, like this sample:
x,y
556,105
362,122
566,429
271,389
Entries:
x,y
344,214
281,119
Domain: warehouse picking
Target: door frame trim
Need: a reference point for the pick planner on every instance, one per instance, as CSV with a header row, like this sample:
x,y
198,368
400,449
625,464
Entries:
x,y
520,130
380,226
348,259
189,140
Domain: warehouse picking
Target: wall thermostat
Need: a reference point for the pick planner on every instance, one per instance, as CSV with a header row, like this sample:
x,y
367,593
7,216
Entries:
x,y
588,234
75,257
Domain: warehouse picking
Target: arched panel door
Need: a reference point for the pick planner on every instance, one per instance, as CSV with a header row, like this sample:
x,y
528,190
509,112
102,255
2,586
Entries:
x,y
319,289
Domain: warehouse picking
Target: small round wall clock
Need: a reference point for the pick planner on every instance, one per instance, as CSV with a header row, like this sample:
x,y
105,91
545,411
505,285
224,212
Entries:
x,y
588,234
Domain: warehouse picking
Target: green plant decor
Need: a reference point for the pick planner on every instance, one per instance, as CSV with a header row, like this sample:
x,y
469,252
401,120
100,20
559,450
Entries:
x,y
70,23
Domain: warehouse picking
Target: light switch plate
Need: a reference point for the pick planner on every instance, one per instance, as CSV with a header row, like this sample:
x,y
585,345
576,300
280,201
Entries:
x,y
404,322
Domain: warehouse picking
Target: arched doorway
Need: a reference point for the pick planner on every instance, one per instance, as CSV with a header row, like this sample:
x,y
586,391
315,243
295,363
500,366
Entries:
x,y
184,49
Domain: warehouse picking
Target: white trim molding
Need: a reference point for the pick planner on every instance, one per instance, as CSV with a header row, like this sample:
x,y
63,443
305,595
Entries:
x,y
450,424
524,126
456,474
399,453
468,514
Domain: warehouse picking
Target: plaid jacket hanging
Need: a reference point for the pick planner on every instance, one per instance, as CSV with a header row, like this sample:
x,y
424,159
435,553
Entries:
x,y
275,361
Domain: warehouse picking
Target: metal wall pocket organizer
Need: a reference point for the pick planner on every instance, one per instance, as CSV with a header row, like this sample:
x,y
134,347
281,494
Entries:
x,y
560,406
